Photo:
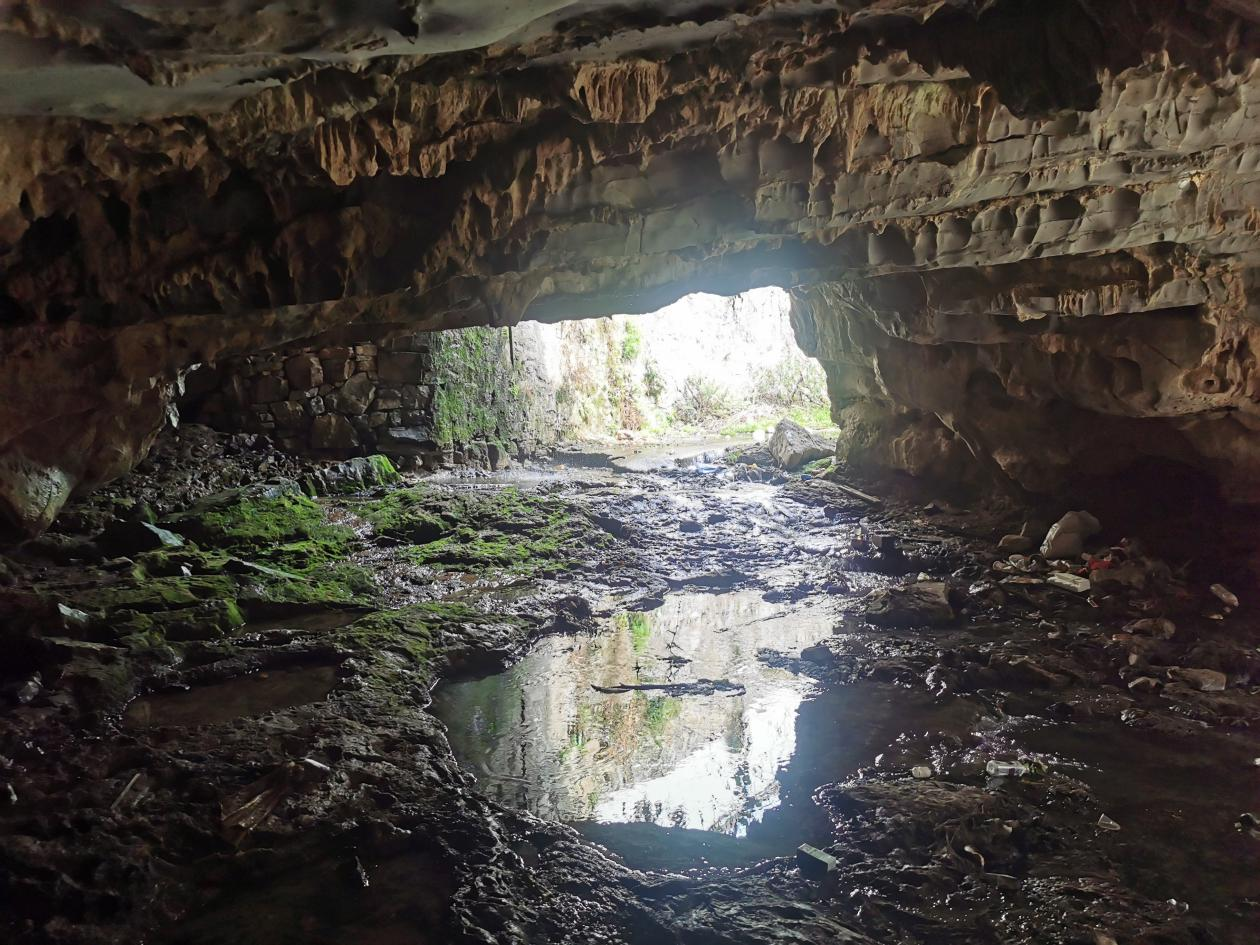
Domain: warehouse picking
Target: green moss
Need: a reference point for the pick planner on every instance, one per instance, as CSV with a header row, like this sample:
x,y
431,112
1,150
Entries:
x,y
410,631
267,545
468,364
341,582
205,621
411,514
660,711
264,523
158,593
638,626
819,466
383,470
631,342
506,530
177,562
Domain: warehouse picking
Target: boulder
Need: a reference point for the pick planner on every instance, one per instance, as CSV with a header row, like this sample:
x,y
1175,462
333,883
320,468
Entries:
x,y
129,538
406,441
31,494
497,456
304,371
353,475
355,395
1205,680
289,414
924,603
269,388
332,431
336,369
792,446
387,399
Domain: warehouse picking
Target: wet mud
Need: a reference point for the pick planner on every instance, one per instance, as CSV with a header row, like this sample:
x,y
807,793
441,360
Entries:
x,y
588,704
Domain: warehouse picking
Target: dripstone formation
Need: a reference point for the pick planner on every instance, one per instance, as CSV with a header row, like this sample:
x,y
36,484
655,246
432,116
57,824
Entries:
x,y
1022,237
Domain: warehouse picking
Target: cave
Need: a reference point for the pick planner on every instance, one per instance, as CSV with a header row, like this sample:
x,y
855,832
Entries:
x,y
656,472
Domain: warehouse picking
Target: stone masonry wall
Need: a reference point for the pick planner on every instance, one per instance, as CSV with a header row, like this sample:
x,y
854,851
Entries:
x,y
428,399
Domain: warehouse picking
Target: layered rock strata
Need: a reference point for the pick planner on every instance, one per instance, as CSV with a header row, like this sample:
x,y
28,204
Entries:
x,y
1020,233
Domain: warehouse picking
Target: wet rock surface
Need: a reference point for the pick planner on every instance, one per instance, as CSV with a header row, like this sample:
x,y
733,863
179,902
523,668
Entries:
x,y
282,777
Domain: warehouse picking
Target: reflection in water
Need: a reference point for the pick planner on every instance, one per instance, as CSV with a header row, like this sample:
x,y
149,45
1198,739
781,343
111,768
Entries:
x,y
540,737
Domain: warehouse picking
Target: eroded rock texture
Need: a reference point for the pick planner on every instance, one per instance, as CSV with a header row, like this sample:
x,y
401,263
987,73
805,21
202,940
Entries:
x,y
1020,231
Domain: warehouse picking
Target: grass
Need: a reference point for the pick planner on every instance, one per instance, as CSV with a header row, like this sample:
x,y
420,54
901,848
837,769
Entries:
x,y
814,417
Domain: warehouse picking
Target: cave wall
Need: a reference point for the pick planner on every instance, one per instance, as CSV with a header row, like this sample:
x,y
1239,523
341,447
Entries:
x,y
941,182
466,396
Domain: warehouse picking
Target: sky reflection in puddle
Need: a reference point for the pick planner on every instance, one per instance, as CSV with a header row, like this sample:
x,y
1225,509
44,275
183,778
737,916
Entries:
x,y
539,737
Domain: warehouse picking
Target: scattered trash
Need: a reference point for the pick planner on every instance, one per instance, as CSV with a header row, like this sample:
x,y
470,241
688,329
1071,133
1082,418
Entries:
x,y
9,795
857,493
1020,564
1224,595
1205,680
1250,823
1182,907
881,542
1106,823
1066,538
359,874
1006,769
73,619
1067,581
24,693
1016,544
126,789
922,772
1144,684
254,804
813,862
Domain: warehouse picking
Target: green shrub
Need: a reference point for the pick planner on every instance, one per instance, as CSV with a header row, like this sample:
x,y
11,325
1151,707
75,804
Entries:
x,y
631,342
702,400
795,381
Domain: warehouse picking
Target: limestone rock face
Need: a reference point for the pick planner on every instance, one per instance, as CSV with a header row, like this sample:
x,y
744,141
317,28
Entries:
x,y
1021,236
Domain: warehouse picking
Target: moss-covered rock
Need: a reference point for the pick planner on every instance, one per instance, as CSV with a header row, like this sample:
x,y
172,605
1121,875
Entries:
x,y
262,519
205,621
352,475
507,529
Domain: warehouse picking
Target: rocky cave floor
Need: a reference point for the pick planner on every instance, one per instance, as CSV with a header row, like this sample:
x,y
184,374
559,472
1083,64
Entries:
x,y
218,728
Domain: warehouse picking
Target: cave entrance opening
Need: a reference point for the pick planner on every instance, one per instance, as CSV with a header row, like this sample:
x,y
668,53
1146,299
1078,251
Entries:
x,y
705,365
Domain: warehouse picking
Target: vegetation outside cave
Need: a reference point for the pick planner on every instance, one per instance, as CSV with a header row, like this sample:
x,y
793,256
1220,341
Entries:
x,y
706,365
